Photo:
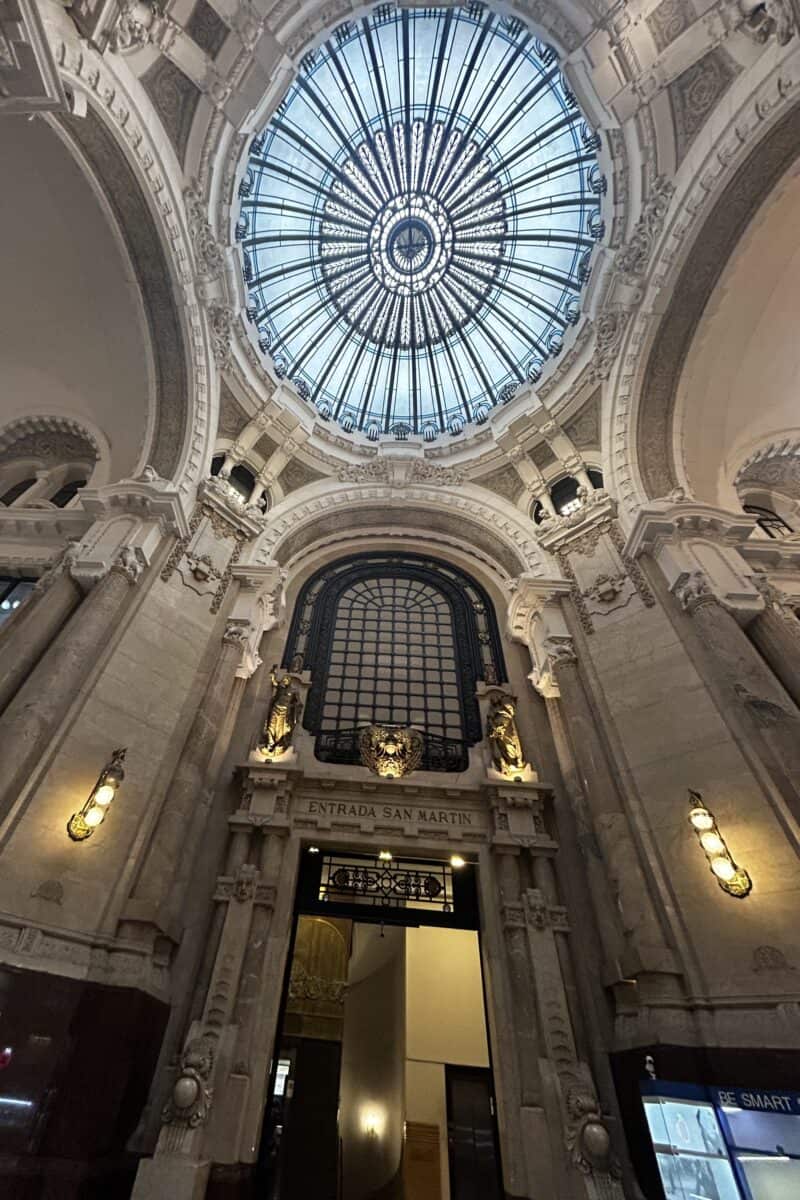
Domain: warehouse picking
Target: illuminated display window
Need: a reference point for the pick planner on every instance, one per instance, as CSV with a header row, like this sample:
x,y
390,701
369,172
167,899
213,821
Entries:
x,y
724,1144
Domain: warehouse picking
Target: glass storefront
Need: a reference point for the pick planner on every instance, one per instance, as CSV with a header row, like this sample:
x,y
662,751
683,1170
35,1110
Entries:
x,y
724,1143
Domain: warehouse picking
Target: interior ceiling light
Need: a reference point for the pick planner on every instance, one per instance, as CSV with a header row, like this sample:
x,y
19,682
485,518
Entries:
x,y
415,237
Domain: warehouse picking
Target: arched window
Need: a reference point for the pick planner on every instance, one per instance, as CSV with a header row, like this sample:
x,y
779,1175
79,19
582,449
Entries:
x,y
768,520
16,491
398,639
565,496
67,492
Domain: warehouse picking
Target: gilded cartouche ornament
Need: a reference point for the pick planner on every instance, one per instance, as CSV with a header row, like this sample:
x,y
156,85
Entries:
x,y
390,750
503,735
284,713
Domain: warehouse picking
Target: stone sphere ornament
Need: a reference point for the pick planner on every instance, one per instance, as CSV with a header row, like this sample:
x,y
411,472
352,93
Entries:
x,y
185,1092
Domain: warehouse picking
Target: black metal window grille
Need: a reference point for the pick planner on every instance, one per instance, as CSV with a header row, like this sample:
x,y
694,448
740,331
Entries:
x,y
400,883
773,525
393,658
401,639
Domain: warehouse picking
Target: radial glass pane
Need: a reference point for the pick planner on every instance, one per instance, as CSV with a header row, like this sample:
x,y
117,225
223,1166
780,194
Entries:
x,y
417,219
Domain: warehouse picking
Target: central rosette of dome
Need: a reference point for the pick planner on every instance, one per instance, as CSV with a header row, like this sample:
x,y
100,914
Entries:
x,y
416,214
411,244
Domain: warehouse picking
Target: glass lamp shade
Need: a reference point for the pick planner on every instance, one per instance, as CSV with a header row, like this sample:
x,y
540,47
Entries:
x,y
723,868
712,843
104,795
701,819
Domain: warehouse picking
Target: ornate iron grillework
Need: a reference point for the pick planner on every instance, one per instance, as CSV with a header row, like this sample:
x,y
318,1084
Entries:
x,y
400,883
439,753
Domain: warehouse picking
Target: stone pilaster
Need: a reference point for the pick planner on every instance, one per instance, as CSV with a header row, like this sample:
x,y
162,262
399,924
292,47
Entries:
x,y
24,638
751,689
646,956
634,943
34,715
696,548
182,820
520,976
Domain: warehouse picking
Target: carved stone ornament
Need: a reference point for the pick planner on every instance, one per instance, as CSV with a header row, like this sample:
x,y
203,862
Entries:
x,y
62,565
609,328
765,19
503,737
220,320
588,1139
284,712
692,589
390,750
129,562
770,958
244,885
633,258
208,251
135,25
191,1096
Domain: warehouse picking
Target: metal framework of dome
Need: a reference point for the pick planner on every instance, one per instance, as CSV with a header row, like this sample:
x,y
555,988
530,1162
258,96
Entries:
x,y
417,219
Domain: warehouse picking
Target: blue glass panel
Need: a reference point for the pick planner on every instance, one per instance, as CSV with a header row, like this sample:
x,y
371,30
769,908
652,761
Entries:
x,y
420,212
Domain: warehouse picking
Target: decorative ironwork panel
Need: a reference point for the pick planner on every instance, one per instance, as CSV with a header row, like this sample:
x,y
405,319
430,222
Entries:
x,y
400,883
439,753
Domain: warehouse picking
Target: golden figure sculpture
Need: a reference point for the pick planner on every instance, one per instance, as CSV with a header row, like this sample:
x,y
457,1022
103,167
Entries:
x,y
503,735
284,713
389,750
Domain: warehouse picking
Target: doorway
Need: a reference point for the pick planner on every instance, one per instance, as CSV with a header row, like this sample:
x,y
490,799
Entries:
x,y
381,1082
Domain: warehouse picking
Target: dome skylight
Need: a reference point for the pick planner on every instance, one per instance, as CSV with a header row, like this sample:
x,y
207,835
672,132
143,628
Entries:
x,y
417,219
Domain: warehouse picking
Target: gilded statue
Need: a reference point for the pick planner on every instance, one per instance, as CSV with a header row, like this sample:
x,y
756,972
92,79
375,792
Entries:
x,y
503,735
390,750
284,713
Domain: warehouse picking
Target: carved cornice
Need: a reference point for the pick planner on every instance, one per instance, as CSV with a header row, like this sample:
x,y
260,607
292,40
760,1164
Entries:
x,y
148,497
664,521
581,528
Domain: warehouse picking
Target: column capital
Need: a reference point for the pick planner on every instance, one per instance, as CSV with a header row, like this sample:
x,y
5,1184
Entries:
x,y
531,594
697,548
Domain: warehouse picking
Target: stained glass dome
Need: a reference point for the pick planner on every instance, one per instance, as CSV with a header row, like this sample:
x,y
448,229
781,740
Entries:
x,y
417,219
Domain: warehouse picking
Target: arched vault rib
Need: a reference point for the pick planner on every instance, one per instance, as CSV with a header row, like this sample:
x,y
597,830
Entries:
x,y
712,248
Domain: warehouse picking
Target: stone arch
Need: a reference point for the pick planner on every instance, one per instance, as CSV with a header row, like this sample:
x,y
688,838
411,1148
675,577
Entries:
x,y
711,250
491,532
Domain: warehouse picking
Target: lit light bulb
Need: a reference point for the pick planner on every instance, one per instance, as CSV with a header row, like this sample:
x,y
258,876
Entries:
x,y
104,795
723,868
457,861
93,817
701,818
313,849
712,843
385,855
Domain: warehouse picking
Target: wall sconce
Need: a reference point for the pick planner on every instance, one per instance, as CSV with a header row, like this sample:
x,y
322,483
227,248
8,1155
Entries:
x,y
82,824
732,879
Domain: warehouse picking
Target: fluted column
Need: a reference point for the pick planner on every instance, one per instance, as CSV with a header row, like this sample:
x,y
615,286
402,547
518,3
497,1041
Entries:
x,y
608,837
183,817
38,708
526,1024
26,636
775,633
